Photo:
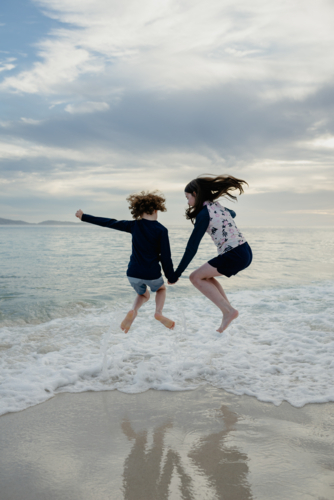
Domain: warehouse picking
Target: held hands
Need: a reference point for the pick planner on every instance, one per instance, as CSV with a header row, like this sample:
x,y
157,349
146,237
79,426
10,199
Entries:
x,y
173,283
79,214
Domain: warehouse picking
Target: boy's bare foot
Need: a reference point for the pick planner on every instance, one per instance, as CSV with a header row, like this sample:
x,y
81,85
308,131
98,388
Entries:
x,y
128,320
168,323
227,319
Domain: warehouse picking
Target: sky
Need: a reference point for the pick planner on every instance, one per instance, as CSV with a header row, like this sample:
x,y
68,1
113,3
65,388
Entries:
x,y
101,98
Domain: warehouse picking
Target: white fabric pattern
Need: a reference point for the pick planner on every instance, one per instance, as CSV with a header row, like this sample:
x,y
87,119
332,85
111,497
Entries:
x,y
222,228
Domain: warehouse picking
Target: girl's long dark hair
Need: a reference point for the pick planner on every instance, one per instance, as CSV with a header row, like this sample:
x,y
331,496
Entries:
x,y
210,189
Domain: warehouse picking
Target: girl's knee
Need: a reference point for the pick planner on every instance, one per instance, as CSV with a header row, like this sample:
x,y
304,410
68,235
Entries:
x,y
193,277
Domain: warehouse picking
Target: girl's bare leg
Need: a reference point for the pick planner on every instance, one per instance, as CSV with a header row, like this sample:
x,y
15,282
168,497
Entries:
x,y
160,298
220,288
130,317
202,280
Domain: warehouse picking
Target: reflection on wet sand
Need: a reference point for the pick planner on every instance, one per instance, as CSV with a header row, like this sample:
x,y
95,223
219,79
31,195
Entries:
x,y
225,468
148,472
142,475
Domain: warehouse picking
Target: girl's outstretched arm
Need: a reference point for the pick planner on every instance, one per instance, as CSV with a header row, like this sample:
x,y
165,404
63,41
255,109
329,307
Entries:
x,y
232,212
201,225
166,258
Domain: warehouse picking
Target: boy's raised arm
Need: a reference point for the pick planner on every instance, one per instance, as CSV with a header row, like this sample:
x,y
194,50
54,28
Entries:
x,y
120,225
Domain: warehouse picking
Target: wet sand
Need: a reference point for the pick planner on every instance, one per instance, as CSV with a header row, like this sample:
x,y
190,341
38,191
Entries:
x,y
203,444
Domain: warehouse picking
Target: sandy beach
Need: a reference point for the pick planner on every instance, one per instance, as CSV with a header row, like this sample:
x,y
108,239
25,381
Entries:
x,y
202,444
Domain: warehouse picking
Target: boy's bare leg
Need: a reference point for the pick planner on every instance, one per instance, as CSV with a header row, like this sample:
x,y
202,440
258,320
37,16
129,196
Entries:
x,y
201,280
130,317
160,298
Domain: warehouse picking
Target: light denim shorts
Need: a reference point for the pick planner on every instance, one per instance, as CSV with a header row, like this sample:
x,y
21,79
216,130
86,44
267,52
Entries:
x,y
140,285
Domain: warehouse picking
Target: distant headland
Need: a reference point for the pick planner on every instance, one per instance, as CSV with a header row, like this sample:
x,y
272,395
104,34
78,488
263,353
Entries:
x,y
10,222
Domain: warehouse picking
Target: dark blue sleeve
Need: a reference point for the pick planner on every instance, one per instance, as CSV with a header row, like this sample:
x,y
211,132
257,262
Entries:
x,y
232,212
120,225
166,258
201,225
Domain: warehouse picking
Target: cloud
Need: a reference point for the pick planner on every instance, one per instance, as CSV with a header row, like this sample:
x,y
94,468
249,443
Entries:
x,y
14,149
105,168
231,121
180,45
87,107
228,129
8,64
122,97
31,121
5,124
326,142
329,211
63,63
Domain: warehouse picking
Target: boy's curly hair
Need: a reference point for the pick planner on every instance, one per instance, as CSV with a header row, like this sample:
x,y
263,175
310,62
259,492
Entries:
x,y
146,202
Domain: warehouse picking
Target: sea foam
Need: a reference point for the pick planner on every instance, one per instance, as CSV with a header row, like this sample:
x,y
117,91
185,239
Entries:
x,y
280,348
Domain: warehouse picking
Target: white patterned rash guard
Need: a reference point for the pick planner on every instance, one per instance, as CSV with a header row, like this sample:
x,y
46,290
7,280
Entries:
x,y
218,222
222,228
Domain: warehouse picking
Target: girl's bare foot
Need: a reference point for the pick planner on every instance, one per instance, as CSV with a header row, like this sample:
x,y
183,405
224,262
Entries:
x,y
168,323
128,320
227,319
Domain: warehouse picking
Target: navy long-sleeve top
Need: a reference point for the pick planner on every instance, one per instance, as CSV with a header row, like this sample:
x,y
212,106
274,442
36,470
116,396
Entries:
x,y
200,227
150,245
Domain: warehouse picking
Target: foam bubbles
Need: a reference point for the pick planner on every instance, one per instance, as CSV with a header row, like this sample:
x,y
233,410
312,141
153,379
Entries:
x,y
281,347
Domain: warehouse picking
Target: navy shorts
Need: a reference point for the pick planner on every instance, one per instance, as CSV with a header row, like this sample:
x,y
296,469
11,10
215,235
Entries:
x,y
233,261
140,285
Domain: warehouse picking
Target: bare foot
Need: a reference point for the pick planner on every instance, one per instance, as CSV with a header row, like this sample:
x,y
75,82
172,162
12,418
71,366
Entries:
x,y
227,319
168,323
128,320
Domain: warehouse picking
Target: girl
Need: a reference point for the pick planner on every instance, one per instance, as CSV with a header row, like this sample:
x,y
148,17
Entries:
x,y
234,253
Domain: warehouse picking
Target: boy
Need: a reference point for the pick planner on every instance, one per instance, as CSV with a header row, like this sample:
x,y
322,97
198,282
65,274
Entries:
x,y
150,244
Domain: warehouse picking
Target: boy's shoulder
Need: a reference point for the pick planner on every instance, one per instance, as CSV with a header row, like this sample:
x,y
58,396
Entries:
x,y
154,224
161,227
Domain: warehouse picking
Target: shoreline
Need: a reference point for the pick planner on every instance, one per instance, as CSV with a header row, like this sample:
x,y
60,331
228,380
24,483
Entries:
x,y
196,444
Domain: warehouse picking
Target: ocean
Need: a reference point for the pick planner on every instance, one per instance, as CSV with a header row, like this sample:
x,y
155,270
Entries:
x,y
64,293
